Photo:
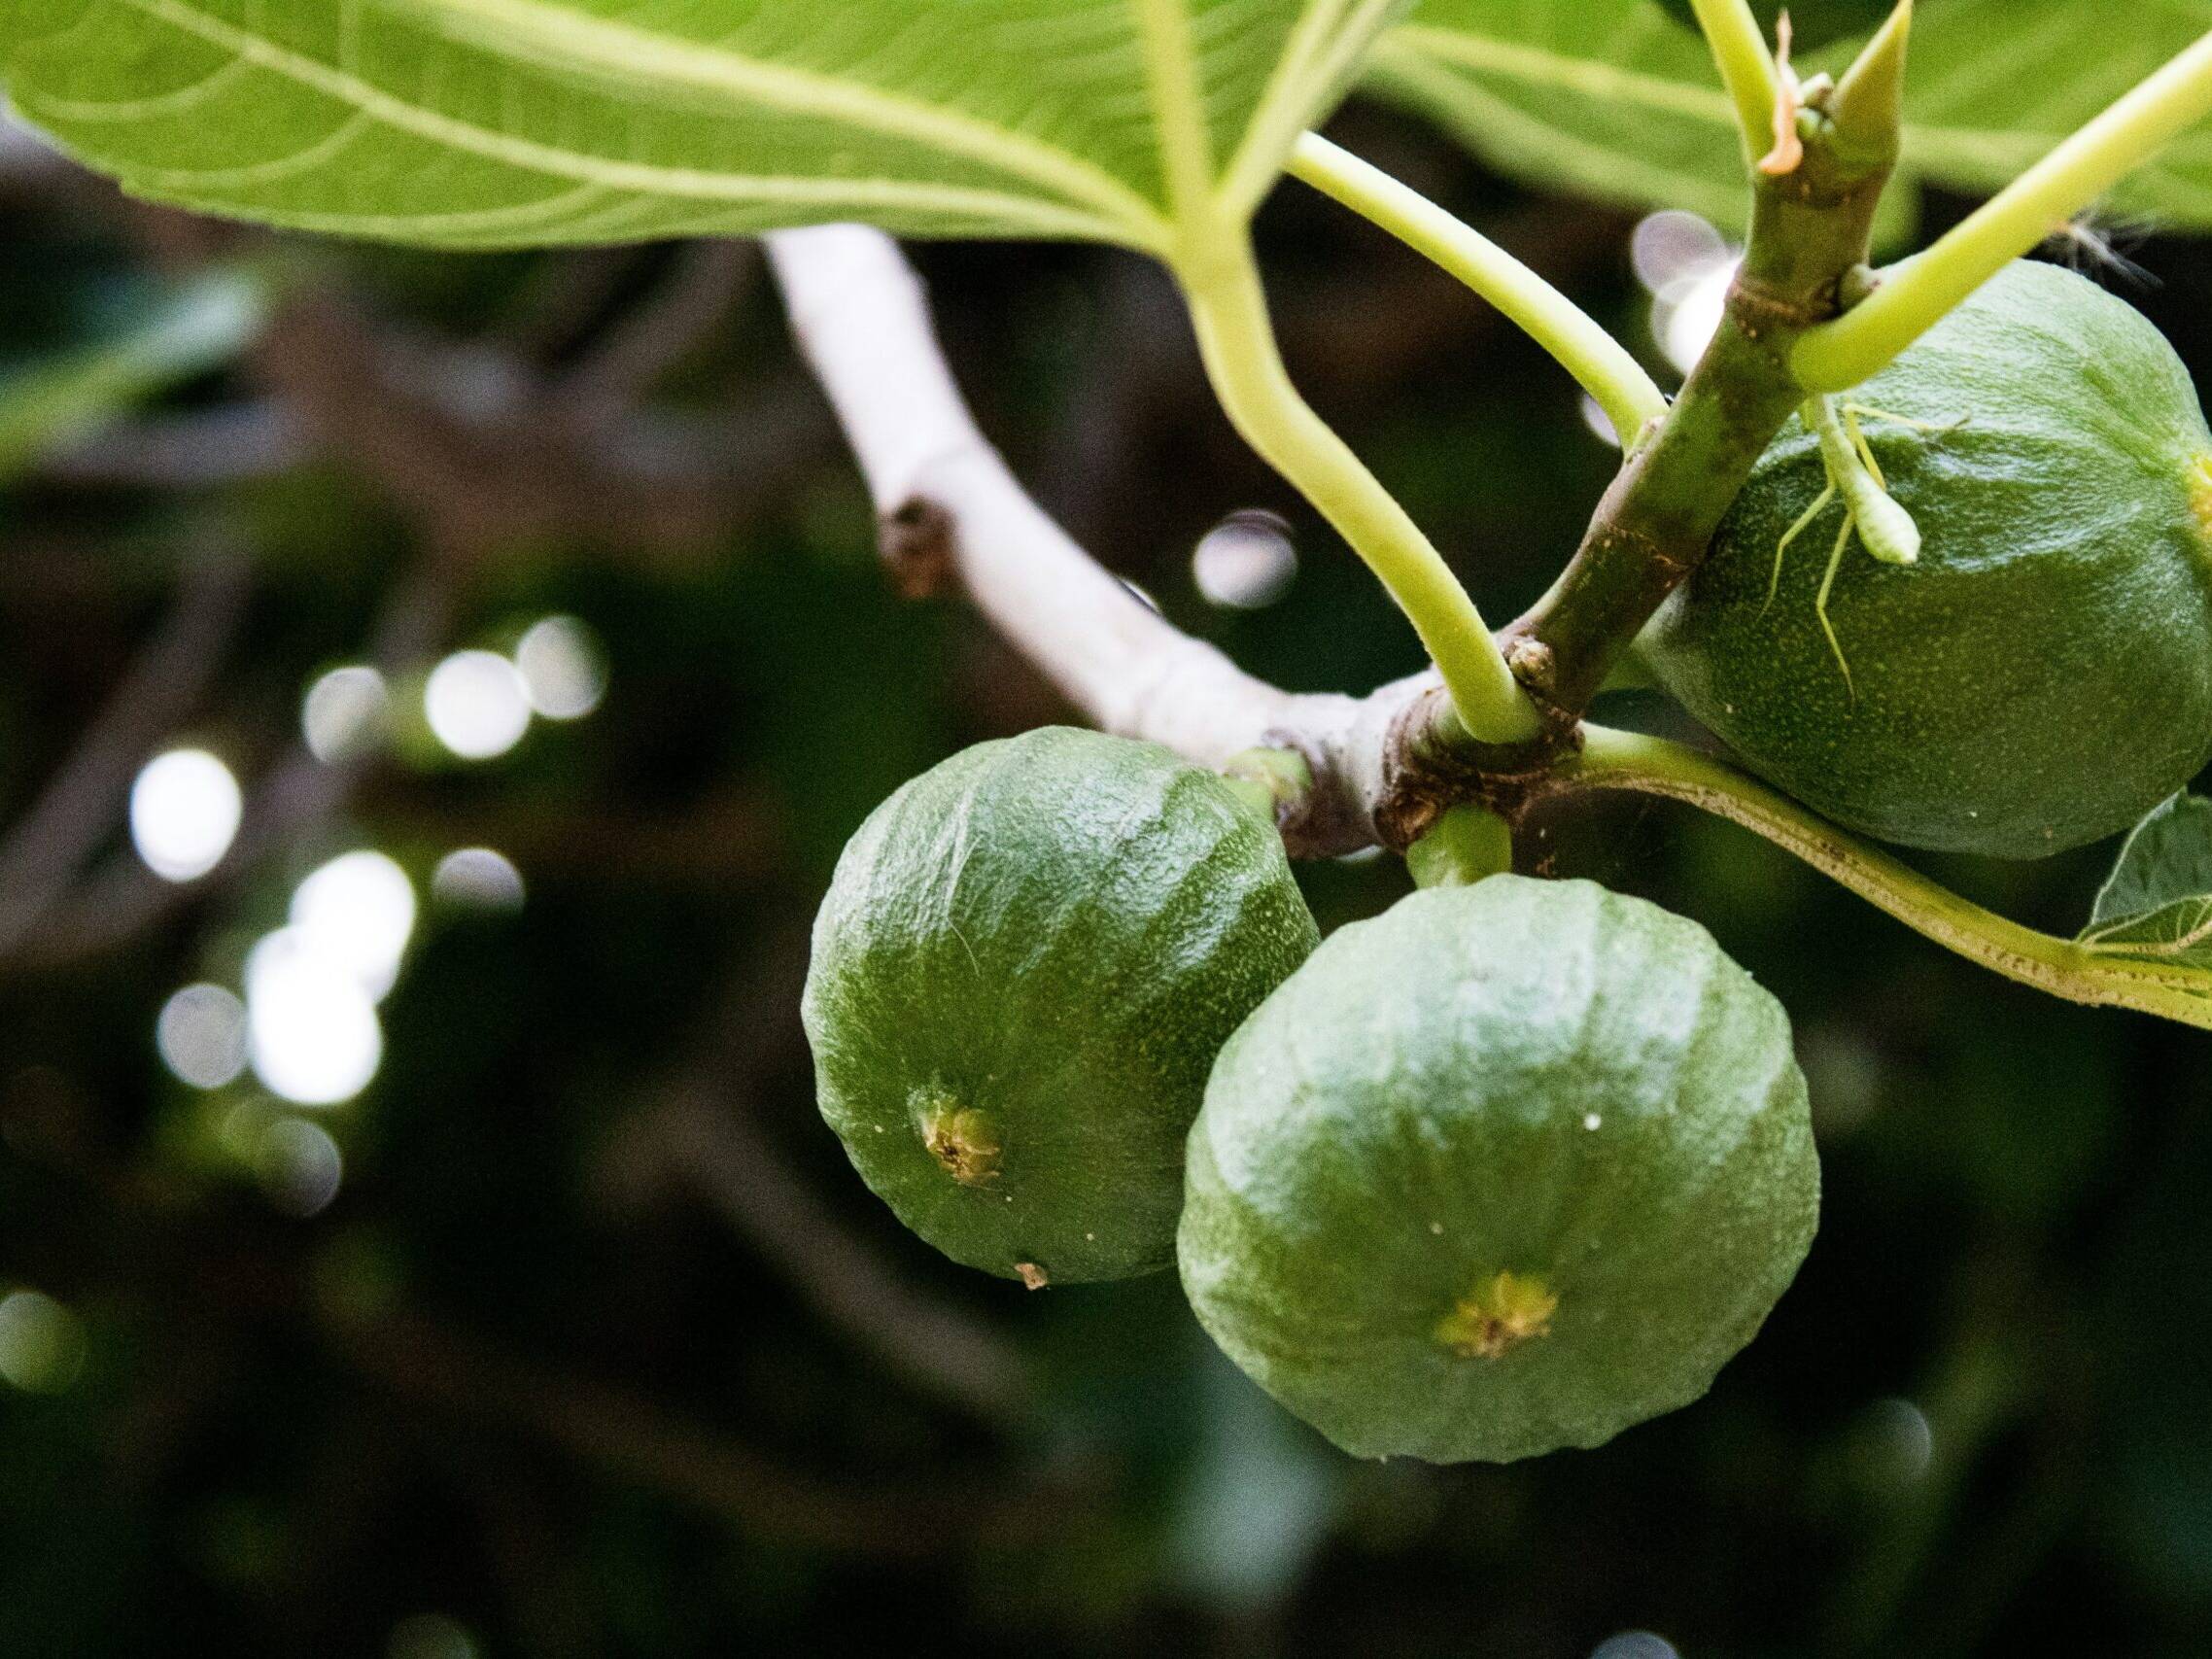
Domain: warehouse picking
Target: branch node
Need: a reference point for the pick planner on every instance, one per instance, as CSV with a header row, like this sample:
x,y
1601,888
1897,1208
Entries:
x,y
1759,309
920,544
1431,765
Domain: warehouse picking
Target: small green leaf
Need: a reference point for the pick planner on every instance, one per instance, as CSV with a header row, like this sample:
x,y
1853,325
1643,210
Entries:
x,y
531,123
2157,903
1618,100
52,400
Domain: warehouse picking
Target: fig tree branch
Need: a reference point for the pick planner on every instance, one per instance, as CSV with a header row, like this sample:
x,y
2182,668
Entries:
x,y
951,510
1809,229
1390,766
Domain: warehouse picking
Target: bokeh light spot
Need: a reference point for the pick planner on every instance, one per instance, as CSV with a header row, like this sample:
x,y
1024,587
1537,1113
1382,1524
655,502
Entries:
x,y
1247,562
1898,1444
185,811
201,1036
344,713
312,1033
477,704
430,1636
41,1344
1688,313
358,912
300,1166
1686,266
1665,247
562,667
476,878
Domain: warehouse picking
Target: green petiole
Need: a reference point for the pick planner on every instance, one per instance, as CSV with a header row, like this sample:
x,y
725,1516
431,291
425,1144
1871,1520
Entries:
x,y
1915,296
1746,67
2063,967
1228,307
1469,843
1603,366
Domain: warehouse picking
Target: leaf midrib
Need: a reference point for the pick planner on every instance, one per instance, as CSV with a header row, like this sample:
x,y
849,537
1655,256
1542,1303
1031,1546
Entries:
x,y
625,52
1049,188
646,178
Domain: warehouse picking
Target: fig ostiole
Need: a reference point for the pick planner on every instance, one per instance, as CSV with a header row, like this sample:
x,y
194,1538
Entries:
x,y
1028,959
1512,1168
2040,675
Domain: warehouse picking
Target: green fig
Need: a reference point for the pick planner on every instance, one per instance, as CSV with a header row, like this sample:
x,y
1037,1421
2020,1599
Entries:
x,y
1509,1168
1028,959
2041,674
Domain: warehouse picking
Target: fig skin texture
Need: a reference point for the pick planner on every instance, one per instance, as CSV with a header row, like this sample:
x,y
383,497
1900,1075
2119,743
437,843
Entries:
x,y
1026,963
2043,676
1509,1168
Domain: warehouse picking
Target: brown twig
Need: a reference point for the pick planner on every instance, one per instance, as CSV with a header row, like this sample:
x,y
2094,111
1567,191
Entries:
x,y
702,1127
693,300
79,808
722,1152
637,1439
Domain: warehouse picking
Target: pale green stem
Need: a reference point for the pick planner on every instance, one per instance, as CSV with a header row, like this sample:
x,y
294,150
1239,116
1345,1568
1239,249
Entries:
x,y
1229,310
1915,296
2063,967
1470,844
1269,781
1746,67
1630,397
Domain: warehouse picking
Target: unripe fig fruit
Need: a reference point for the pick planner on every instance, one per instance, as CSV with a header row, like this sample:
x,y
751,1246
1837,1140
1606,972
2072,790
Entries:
x,y
2043,675
1028,959
1509,1168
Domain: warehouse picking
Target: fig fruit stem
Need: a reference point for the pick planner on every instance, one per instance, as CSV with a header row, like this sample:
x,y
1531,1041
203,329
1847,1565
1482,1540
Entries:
x,y
1747,68
1598,363
1271,779
1470,844
1914,296
1615,760
1236,338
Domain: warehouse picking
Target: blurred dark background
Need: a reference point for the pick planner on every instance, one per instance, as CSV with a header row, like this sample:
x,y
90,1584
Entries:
x,y
571,1331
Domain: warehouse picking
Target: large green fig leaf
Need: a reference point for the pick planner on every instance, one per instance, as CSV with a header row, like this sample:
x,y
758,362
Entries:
x,y
514,122
1813,23
2157,903
1610,98
1616,98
